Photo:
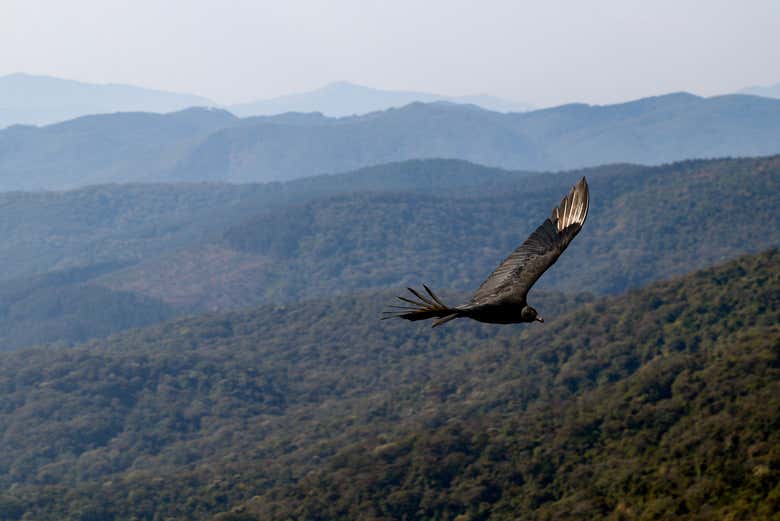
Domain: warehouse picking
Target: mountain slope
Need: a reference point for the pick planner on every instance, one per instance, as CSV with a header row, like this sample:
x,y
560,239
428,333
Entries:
x,y
662,400
660,404
41,100
128,223
198,247
346,99
63,307
58,247
280,150
102,149
647,131
655,130
645,224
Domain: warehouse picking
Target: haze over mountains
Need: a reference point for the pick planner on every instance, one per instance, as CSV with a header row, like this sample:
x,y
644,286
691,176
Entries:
x,y
768,91
347,99
27,99
214,145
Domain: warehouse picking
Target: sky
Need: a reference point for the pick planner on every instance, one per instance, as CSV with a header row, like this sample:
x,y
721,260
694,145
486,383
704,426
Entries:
x,y
543,52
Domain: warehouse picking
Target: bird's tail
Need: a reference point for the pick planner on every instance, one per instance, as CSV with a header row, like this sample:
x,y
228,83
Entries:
x,y
423,309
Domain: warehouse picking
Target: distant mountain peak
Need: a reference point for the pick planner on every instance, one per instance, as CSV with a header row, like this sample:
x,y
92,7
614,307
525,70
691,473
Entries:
x,y
766,91
41,100
343,84
344,98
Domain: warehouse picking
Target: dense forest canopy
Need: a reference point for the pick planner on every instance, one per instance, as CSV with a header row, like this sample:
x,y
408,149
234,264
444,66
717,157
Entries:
x,y
90,262
289,399
662,401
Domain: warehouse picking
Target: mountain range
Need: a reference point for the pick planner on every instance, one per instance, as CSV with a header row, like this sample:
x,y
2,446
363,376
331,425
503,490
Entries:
x,y
214,145
190,310
88,262
213,351
27,99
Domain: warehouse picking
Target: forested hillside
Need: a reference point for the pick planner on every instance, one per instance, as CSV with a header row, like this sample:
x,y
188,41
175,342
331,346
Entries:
x,y
645,224
63,307
44,231
57,246
663,401
149,251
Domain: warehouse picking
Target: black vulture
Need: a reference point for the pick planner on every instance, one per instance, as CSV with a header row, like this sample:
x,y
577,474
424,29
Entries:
x,y
501,299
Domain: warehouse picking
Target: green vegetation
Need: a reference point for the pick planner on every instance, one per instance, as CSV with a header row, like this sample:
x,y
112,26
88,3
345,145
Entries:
x,y
215,247
654,403
645,225
61,307
661,403
44,231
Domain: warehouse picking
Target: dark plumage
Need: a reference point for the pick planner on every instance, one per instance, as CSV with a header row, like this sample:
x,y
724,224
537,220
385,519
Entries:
x,y
501,299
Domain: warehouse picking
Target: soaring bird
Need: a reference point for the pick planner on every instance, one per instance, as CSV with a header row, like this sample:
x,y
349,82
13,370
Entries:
x,y
501,299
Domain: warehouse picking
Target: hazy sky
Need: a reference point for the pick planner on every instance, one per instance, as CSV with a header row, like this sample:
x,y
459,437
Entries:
x,y
545,52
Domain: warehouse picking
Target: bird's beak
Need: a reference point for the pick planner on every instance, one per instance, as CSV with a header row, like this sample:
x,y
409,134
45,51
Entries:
x,y
540,319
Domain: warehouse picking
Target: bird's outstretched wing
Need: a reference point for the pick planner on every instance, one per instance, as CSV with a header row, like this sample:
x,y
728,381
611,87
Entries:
x,y
515,276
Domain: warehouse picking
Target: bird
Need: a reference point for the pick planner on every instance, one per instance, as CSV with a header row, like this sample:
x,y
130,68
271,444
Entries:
x,y
501,299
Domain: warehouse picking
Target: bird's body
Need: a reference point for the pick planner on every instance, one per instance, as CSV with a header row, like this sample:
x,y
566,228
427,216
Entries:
x,y
502,298
504,311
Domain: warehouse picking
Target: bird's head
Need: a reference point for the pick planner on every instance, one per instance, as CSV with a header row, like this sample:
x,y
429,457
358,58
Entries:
x,y
529,314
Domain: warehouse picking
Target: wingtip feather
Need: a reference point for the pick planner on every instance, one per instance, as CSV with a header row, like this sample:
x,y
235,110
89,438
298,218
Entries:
x,y
573,207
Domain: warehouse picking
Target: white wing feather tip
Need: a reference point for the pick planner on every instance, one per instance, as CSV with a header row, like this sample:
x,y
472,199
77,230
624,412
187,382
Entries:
x,y
574,207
